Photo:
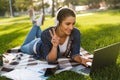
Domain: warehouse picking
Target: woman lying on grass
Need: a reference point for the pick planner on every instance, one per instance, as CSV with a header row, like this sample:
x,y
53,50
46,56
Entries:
x,y
61,40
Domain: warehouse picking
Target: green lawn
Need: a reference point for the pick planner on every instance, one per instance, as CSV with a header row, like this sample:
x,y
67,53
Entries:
x,y
98,30
14,19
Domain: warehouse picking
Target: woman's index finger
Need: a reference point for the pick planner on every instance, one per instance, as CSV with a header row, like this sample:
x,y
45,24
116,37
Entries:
x,y
51,33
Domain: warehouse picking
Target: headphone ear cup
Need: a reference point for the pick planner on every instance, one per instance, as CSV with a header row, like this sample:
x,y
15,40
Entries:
x,y
56,22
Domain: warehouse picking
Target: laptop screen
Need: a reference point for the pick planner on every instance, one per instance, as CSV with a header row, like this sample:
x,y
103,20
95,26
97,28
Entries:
x,y
105,56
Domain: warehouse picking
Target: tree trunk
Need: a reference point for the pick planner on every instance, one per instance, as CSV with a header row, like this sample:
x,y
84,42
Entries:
x,y
43,7
53,14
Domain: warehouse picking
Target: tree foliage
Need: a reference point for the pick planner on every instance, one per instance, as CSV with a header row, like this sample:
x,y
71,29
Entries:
x,y
4,6
22,4
73,2
113,3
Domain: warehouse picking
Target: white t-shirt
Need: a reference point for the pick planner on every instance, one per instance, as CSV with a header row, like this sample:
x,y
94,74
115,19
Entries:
x,y
63,47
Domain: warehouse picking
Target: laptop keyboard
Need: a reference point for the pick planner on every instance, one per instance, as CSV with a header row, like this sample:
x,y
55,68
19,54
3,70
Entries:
x,y
85,70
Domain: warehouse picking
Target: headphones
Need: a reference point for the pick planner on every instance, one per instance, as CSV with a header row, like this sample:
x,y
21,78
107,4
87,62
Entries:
x,y
56,20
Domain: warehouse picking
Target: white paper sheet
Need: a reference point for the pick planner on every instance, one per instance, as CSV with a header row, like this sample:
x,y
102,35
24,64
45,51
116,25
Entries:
x,y
24,74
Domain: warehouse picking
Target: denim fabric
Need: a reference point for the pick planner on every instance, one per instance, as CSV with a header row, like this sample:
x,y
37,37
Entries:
x,y
32,37
47,45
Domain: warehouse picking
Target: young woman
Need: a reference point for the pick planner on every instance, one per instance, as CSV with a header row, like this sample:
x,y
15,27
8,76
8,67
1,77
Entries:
x,y
61,40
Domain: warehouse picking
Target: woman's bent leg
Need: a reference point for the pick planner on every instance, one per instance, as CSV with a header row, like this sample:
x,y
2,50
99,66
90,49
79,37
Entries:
x,y
39,31
32,34
27,46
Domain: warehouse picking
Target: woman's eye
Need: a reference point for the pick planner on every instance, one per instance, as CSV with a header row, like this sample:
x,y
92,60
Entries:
x,y
73,23
67,23
70,23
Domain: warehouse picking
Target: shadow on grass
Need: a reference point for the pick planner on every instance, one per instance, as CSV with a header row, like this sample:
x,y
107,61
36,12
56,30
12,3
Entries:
x,y
6,39
11,39
100,36
4,78
108,73
69,75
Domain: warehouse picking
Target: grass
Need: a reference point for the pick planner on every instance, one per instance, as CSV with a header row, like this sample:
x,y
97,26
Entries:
x,y
14,19
12,35
98,30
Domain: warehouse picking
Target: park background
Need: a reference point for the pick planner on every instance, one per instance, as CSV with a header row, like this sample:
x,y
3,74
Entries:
x,y
97,20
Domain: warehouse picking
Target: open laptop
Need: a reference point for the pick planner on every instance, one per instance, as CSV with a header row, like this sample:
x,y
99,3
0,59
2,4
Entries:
x,y
103,57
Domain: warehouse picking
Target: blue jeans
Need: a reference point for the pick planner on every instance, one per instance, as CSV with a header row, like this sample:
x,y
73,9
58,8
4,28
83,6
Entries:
x,y
32,37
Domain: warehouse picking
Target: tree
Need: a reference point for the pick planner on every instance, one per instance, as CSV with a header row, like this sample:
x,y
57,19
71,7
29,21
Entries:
x,y
4,6
73,2
22,5
53,10
43,6
93,3
113,3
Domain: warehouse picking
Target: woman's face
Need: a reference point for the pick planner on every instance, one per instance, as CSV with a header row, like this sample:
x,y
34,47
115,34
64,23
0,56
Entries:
x,y
67,25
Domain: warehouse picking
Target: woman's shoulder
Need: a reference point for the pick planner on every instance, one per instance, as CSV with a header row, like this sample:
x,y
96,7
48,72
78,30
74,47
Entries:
x,y
75,34
75,30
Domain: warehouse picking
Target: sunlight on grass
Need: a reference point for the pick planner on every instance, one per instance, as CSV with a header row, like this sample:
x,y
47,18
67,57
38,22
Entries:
x,y
48,23
98,19
14,19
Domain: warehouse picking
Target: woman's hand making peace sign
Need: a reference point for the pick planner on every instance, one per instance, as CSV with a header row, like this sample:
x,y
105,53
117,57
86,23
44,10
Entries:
x,y
55,39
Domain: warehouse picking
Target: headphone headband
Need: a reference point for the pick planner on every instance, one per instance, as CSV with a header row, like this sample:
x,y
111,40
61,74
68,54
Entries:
x,y
56,20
